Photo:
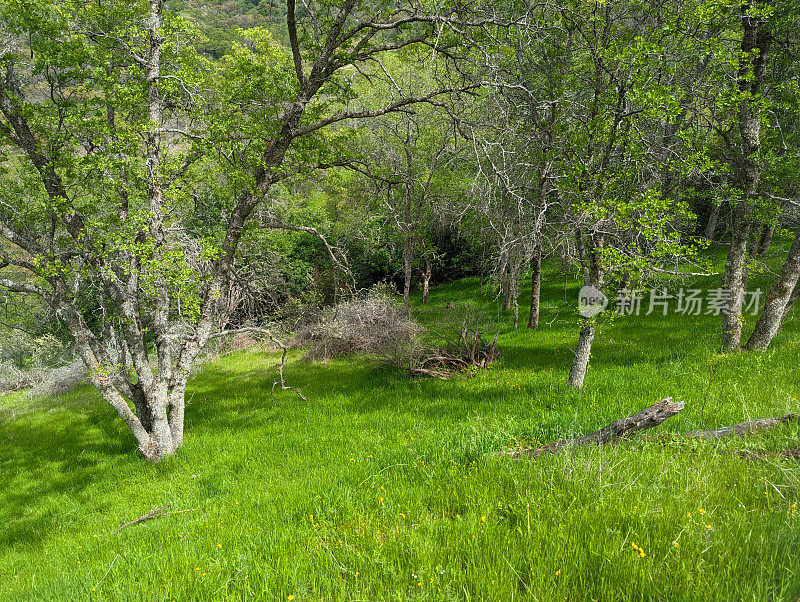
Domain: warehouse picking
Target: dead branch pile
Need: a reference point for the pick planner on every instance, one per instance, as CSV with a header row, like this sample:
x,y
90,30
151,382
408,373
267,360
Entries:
x,y
373,324
377,326
456,346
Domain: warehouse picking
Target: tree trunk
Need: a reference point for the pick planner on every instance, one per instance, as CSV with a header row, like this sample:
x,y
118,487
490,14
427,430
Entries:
x,y
407,265
506,284
515,303
759,424
777,301
764,243
791,303
426,279
593,276
582,354
536,286
713,218
645,419
734,279
752,70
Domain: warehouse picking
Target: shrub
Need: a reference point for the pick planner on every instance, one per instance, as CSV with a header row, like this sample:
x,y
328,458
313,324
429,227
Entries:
x,y
60,379
377,326
374,324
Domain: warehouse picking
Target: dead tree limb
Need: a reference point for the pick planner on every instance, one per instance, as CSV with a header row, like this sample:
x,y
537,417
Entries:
x,y
157,512
279,365
647,418
744,427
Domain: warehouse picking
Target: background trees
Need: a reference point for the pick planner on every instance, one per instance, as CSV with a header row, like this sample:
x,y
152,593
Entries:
x,y
122,135
160,184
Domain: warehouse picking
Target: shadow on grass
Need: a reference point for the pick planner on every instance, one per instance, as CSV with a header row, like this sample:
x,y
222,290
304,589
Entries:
x,y
51,457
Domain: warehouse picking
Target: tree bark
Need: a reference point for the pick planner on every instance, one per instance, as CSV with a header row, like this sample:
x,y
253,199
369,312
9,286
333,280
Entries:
x,y
713,218
583,352
777,300
536,286
791,303
742,428
407,268
767,232
426,279
734,279
646,419
752,70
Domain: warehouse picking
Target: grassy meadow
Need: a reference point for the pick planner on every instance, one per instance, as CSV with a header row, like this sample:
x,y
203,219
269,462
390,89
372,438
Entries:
x,y
382,487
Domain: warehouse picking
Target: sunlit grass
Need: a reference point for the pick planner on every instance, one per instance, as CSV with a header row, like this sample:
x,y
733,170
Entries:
x,y
380,487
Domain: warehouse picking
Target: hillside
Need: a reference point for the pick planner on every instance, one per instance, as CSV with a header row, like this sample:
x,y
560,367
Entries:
x,y
383,487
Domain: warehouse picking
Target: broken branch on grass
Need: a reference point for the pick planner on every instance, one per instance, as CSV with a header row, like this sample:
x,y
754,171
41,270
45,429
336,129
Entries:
x,y
157,512
647,418
744,427
279,365
653,416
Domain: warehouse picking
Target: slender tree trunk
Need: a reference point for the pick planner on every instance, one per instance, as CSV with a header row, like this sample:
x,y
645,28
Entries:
x,y
713,218
752,70
506,284
536,286
407,268
594,274
426,279
583,352
764,243
734,280
515,303
777,300
791,303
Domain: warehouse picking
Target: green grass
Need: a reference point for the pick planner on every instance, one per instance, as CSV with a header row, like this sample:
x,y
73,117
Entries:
x,y
380,487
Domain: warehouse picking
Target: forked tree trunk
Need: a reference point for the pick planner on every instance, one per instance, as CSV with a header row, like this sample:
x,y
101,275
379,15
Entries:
x,y
426,279
536,286
583,352
777,300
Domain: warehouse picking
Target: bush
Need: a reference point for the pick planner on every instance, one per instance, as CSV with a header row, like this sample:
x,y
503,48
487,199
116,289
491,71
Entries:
x,y
60,379
374,324
377,326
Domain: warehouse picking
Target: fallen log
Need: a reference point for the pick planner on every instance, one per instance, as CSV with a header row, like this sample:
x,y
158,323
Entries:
x,y
647,418
744,427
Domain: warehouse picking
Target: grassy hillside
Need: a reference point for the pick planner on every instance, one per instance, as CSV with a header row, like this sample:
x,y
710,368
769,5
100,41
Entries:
x,y
380,487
